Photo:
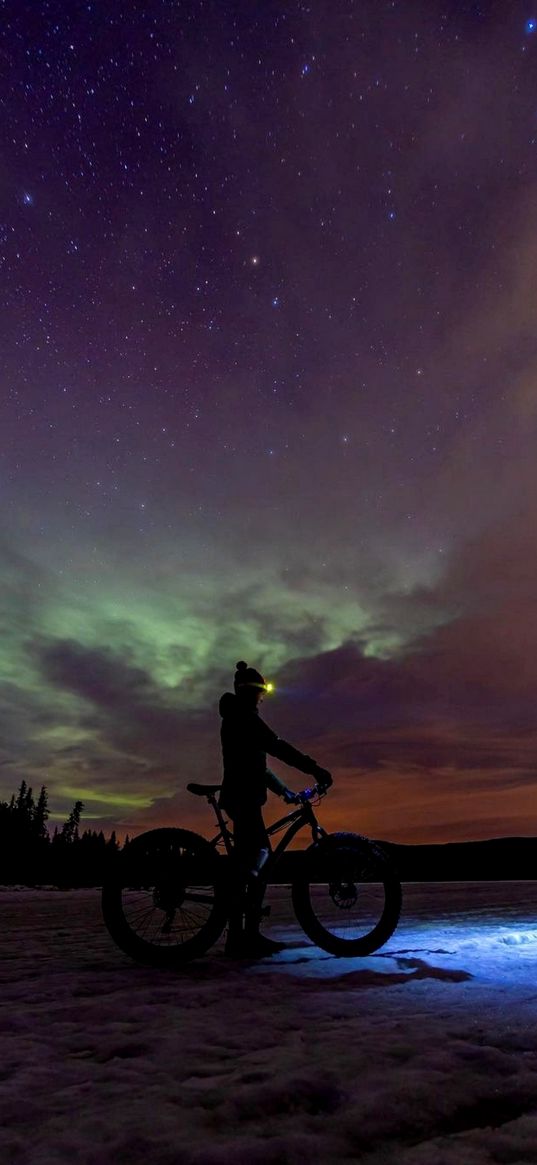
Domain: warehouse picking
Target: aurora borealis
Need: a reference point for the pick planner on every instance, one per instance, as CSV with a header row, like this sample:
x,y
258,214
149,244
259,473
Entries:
x,y
269,391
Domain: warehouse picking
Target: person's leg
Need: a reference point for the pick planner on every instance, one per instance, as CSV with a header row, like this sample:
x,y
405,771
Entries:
x,y
235,930
251,836
244,857
258,851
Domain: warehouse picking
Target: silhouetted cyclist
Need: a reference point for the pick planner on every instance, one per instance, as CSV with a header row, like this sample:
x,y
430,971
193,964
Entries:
x,y
246,739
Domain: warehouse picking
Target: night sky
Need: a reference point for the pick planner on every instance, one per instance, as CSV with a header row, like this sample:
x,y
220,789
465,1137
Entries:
x,y
269,391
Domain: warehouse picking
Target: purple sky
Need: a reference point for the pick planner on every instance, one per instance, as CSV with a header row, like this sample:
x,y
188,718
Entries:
x,y
269,391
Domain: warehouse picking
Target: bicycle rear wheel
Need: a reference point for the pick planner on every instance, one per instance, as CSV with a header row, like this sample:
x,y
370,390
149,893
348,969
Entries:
x,y
348,896
164,902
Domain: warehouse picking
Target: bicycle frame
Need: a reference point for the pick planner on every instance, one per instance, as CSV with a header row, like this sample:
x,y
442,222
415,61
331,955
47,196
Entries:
x,y
296,819
141,902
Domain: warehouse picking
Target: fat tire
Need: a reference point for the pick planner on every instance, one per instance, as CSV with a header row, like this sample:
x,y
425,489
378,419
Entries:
x,y
164,841
305,912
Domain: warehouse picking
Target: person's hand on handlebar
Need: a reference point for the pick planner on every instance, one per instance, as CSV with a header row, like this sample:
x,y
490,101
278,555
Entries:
x,y
323,780
322,777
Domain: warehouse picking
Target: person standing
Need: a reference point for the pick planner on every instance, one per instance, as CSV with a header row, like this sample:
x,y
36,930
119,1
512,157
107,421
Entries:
x,y
246,740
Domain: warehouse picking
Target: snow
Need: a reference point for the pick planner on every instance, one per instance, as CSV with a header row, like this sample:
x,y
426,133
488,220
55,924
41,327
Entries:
x,y
422,1053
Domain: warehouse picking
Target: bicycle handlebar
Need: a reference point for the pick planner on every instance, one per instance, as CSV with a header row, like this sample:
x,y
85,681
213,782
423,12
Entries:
x,y
315,791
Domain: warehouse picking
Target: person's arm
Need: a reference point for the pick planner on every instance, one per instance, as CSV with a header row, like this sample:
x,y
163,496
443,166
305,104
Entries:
x,y
275,785
322,776
291,756
283,751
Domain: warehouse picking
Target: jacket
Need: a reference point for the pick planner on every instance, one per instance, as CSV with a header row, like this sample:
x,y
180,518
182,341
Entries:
x,y
246,739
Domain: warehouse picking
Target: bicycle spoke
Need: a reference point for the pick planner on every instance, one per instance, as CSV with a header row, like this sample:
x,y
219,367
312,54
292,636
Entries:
x,y
165,901
190,926
348,909
142,931
347,917
139,914
192,921
152,914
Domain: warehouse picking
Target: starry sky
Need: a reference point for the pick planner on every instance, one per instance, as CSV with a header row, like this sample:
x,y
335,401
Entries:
x,y
269,391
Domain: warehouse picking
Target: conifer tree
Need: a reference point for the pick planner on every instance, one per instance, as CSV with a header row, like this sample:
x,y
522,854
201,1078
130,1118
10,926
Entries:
x,y
41,816
70,827
21,796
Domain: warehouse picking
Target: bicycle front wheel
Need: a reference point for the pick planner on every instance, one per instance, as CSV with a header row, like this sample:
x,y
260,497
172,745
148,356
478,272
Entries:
x,y
348,896
164,901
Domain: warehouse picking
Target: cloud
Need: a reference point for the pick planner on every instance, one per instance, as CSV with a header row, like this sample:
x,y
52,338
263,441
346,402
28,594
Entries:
x,y
123,704
447,713
137,739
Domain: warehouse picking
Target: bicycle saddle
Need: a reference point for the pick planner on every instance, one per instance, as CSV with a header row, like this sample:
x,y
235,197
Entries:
x,y
204,790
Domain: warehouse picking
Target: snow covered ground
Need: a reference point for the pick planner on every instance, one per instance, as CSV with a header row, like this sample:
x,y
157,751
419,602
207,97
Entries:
x,y
425,1052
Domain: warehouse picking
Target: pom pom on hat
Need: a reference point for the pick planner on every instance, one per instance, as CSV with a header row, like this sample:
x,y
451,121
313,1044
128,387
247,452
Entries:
x,y
248,677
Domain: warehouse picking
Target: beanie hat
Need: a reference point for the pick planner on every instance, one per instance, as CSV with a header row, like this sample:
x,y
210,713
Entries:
x,y
248,677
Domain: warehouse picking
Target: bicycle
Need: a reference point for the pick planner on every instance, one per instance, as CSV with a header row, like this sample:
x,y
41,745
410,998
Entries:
x,y
167,900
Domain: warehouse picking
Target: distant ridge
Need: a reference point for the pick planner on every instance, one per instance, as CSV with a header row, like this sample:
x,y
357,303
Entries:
x,y
496,859
500,859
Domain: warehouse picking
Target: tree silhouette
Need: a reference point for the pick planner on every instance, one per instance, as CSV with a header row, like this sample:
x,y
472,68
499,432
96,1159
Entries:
x,y
41,816
69,832
30,856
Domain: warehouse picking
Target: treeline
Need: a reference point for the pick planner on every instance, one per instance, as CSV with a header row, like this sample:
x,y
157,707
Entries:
x,y
31,856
